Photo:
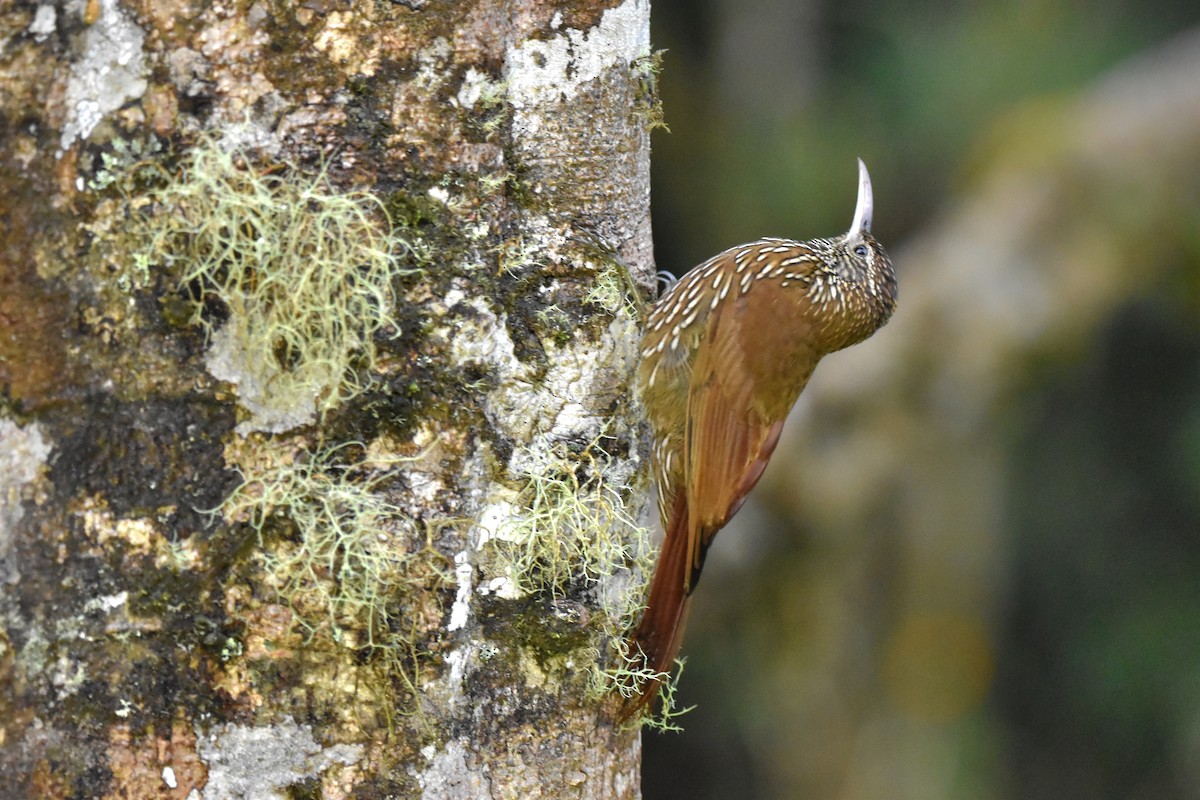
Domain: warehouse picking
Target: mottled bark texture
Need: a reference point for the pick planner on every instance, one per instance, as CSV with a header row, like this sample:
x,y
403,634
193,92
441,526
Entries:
x,y
319,469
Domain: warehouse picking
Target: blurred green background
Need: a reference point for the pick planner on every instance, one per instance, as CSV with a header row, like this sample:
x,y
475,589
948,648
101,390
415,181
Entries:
x,y
973,568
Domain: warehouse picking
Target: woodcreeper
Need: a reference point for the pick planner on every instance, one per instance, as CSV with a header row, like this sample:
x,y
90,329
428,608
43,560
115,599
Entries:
x,y
726,352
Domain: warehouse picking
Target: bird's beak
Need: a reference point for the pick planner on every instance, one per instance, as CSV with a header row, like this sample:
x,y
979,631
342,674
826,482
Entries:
x,y
866,205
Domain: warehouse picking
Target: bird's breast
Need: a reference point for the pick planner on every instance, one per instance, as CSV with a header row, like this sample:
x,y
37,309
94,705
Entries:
x,y
777,346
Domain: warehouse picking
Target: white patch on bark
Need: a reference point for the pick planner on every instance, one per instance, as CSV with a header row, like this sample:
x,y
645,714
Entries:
x,y
23,452
484,340
461,610
252,373
107,602
457,659
557,403
553,404
473,86
247,763
502,587
109,74
541,73
425,488
448,778
493,523
448,690
45,21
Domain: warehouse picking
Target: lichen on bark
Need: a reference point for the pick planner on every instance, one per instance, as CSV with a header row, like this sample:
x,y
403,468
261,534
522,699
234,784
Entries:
x,y
499,356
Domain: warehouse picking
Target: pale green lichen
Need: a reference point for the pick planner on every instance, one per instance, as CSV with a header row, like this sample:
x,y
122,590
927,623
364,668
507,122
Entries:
x,y
614,291
351,561
628,676
574,527
517,256
574,532
128,161
649,105
305,272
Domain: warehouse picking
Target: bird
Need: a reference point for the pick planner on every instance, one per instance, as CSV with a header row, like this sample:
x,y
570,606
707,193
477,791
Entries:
x,y
725,354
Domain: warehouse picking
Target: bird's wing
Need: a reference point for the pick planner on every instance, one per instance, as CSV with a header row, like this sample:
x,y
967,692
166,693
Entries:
x,y
727,442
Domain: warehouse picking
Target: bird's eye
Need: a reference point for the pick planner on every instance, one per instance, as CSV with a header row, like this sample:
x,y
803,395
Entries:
x,y
861,251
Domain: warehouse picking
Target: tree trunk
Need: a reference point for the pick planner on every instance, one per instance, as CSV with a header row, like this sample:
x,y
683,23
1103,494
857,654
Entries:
x,y
319,474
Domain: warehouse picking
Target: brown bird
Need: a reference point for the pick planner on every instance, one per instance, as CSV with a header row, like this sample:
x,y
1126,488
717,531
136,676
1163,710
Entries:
x,y
727,351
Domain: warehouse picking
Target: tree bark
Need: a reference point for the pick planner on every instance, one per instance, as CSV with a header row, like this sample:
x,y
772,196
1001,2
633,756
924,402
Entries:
x,y
319,474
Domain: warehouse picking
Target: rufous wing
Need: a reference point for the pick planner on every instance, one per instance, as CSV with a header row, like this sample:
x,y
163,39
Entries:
x,y
727,442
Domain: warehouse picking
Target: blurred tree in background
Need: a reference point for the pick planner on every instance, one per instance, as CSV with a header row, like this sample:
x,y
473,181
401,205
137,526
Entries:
x,y
973,569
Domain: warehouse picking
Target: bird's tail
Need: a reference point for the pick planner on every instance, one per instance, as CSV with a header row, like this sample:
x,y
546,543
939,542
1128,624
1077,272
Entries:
x,y
660,634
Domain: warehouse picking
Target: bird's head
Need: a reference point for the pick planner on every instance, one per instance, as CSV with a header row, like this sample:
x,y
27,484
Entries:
x,y
852,287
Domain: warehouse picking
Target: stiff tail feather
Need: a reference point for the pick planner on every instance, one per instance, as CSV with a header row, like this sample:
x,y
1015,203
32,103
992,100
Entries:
x,y
660,634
